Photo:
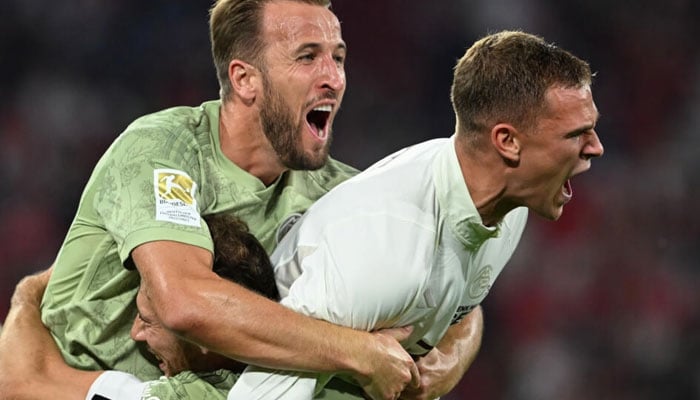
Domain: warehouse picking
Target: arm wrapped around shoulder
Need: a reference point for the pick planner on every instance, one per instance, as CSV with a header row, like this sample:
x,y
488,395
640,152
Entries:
x,y
31,366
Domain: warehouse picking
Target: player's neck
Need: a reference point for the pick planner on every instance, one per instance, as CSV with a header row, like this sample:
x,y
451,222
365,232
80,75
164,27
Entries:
x,y
483,175
244,143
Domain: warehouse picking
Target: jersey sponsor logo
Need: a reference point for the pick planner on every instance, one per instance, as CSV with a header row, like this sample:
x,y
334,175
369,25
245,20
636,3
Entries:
x,y
286,226
461,312
175,200
481,284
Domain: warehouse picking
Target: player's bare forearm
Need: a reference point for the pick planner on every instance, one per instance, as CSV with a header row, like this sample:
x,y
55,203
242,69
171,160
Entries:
x,y
442,368
201,307
31,366
463,341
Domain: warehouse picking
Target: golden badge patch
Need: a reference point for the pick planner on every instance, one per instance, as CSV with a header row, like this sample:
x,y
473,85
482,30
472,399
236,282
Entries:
x,y
175,197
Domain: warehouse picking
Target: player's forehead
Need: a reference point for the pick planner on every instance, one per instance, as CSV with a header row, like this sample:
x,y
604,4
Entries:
x,y
571,108
288,22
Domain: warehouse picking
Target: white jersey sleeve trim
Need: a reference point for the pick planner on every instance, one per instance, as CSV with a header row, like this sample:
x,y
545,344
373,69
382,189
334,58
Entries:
x,y
116,385
257,383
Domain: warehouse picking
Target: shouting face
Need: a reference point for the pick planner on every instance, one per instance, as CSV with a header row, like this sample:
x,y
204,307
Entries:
x,y
304,81
559,147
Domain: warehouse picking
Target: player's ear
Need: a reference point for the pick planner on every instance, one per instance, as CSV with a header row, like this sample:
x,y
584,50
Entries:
x,y
506,140
245,80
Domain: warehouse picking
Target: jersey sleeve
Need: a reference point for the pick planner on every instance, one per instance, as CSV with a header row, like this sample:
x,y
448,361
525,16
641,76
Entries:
x,y
190,385
257,383
113,385
146,187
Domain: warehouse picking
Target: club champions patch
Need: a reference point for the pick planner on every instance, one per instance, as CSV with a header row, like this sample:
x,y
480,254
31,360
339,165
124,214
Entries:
x,y
175,201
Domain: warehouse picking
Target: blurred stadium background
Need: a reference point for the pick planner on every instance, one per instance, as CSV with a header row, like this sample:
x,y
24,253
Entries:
x,y
603,304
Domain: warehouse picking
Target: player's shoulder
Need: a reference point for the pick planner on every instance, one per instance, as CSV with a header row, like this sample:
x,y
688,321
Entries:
x,y
412,154
174,119
172,132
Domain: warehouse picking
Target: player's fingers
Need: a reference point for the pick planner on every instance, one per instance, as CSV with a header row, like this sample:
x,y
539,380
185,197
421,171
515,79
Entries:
x,y
415,376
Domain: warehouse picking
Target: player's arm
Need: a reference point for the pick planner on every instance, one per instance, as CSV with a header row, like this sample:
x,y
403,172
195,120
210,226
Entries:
x,y
195,303
331,283
31,366
443,367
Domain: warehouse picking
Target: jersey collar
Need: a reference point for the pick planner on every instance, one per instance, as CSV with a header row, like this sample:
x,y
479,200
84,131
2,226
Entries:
x,y
455,202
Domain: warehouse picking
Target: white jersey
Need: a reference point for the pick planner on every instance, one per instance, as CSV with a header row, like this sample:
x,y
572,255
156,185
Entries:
x,y
400,244
116,385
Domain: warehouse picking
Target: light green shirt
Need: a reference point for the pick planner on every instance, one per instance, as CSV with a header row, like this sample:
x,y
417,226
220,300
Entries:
x,y
190,385
154,183
216,385
213,385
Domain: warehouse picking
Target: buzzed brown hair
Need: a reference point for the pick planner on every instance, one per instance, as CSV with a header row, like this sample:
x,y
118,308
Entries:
x,y
503,77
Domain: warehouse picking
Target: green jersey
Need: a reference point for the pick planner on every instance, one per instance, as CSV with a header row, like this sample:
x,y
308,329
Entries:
x,y
216,386
189,385
154,183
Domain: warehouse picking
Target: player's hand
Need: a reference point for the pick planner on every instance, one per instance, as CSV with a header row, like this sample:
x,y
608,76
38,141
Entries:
x,y
393,369
443,367
30,289
436,378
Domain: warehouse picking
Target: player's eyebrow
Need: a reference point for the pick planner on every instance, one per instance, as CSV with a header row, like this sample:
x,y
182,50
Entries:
x,y
318,46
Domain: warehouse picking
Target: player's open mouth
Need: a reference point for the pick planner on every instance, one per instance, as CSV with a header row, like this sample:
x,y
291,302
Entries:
x,y
317,120
567,191
161,364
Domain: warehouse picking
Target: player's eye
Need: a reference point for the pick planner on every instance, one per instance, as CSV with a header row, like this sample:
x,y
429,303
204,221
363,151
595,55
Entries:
x,y
144,320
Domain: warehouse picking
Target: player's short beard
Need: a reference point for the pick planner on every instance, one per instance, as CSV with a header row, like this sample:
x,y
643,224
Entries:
x,y
277,121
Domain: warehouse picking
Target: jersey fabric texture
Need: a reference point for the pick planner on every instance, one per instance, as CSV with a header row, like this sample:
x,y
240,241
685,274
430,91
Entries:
x,y
117,385
153,183
400,244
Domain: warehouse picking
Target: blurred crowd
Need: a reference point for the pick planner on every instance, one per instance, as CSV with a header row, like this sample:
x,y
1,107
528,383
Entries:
x,y
602,304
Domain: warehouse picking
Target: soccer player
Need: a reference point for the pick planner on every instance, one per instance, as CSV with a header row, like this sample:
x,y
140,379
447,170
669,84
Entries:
x,y
261,153
420,237
238,257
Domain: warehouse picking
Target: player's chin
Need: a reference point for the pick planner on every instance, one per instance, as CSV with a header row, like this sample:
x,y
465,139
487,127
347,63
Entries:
x,y
316,157
552,212
556,215
557,211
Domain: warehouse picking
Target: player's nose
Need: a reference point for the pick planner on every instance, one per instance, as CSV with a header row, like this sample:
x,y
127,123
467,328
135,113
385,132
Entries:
x,y
137,330
593,147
